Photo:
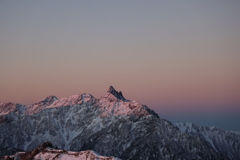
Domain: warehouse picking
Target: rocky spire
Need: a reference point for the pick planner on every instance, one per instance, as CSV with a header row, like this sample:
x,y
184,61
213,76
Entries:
x,y
115,93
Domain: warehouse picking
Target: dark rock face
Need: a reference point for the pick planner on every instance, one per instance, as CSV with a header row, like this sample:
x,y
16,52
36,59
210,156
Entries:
x,y
111,126
117,94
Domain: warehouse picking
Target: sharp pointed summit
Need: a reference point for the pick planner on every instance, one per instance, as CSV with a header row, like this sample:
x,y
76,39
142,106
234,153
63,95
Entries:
x,y
117,94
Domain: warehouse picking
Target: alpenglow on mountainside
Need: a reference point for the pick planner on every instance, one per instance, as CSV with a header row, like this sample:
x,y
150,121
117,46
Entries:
x,y
111,126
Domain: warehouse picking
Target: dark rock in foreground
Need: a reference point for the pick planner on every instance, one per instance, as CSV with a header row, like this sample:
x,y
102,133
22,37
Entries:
x,y
46,151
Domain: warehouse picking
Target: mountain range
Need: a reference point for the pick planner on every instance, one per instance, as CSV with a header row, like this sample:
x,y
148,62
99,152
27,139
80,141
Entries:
x,y
110,126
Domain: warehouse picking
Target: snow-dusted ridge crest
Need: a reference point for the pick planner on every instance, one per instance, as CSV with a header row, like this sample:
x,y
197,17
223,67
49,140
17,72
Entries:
x,y
111,126
52,102
111,104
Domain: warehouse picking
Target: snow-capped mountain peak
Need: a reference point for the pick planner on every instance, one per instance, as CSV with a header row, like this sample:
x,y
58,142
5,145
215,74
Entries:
x,y
110,126
112,94
53,102
40,105
6,108
114,104
48,100
73,100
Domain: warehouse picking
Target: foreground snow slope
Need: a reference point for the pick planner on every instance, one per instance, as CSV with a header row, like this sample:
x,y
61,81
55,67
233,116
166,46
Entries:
x,y
46,152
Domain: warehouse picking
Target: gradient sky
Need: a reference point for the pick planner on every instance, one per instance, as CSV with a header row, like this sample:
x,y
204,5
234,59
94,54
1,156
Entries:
x,y
180,58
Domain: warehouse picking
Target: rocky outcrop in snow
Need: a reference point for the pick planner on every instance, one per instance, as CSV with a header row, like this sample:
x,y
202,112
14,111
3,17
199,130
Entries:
x,y
46,151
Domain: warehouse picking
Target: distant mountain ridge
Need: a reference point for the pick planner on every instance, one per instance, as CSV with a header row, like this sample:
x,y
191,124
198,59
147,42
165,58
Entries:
x,y
110,126
225,142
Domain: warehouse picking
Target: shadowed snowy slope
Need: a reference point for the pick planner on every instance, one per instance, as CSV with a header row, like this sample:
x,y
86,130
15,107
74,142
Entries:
x,y
223,141
110,126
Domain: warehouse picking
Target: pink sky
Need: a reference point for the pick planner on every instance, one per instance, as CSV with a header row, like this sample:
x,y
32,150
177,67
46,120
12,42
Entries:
x,y
181,56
